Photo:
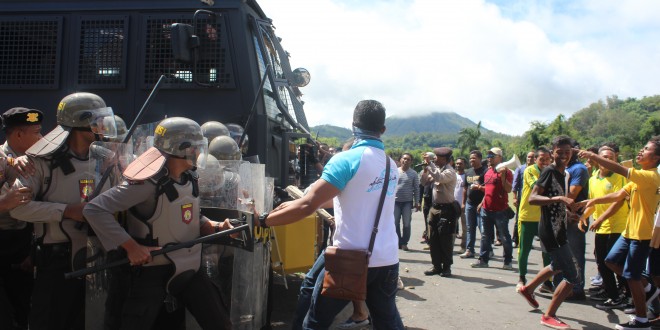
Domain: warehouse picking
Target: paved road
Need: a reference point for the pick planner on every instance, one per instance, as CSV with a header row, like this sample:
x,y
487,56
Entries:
x,y
471,298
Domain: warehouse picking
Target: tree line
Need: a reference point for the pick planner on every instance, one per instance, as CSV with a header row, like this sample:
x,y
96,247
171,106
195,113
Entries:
x,y
627,122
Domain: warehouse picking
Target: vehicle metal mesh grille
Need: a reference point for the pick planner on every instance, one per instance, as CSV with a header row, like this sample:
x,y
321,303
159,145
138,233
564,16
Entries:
x,y
102,52
30,52
214,64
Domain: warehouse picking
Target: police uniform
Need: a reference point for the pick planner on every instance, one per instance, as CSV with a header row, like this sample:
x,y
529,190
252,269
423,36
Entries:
x,y
162,211
15,236
61,178
443,214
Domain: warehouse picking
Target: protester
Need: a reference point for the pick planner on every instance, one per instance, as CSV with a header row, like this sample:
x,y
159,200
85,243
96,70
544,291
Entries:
x,y
529,217
459,196
549,192
629,254
516,188
610,221
496,188
406,198
578,190
354,179
474,180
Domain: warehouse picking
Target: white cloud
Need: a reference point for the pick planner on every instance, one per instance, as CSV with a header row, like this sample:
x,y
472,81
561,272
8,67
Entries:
x,y
506,65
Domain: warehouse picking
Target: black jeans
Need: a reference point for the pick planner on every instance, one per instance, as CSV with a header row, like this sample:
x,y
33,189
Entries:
x,y
602,245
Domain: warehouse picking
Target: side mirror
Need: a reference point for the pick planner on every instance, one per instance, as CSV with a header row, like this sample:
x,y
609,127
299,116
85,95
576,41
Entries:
x,y
300,77
184,42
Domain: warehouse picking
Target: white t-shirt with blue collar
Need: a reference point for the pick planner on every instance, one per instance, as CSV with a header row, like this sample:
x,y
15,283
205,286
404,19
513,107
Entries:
x,y
359,175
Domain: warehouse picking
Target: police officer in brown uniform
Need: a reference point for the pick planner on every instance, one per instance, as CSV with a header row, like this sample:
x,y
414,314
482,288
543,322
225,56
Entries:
x,y
443,214
161,191
61,184
22,127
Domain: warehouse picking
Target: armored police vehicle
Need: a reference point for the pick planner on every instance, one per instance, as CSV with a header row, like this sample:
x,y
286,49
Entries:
x,y
219,60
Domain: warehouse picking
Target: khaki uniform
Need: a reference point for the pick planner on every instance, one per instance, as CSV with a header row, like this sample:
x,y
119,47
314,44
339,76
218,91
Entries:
x,y
159,219
61,244
442,216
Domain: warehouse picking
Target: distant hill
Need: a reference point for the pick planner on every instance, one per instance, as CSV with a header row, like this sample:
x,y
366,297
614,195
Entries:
x,y
330,131
446,123
436,122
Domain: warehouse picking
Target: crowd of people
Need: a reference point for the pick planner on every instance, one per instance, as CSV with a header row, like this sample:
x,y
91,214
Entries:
x,y
556,199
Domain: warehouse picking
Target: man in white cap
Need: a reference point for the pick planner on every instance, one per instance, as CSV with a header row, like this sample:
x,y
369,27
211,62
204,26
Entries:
x,y
497,187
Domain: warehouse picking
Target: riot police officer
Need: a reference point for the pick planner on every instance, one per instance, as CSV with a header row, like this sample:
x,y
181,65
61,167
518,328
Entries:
x,y
61,185
213,129
22,127
162,192
224,148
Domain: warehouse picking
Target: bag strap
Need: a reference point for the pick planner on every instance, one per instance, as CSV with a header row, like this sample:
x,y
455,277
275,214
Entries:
x,y
386,177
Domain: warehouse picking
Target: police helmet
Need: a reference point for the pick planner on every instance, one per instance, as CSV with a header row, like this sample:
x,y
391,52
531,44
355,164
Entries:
x,y
77,111
236,131
224,148
86,110
122,130
211,177
182,137
213,129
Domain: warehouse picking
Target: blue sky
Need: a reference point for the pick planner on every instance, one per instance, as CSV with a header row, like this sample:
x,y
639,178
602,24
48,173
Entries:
x,y
505,63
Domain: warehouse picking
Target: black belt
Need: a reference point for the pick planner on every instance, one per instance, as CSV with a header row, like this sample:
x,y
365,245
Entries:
x,y
56,248
441,205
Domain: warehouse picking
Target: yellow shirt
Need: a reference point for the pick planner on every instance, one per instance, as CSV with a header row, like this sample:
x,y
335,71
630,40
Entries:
x,y
599,187
643,192
526,212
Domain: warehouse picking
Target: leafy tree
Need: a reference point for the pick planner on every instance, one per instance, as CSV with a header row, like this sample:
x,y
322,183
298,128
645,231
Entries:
x,y
468,138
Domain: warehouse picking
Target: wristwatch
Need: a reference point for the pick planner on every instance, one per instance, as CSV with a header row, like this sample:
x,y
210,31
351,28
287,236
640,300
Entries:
x,y
217,227
262,220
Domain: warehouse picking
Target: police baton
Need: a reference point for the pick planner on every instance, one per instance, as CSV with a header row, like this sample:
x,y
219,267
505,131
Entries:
x,y
164,250
131,129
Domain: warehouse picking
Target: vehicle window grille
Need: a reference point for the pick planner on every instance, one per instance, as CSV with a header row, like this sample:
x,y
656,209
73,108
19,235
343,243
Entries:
x,y
30,52
214,65
102,52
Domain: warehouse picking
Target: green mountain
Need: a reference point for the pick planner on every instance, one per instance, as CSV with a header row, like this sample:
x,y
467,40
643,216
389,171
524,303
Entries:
x,y
445,123
330,131
436,122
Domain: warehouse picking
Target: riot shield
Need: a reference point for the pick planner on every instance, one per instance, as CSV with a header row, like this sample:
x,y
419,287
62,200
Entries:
x,y
143,138
231,189
102,306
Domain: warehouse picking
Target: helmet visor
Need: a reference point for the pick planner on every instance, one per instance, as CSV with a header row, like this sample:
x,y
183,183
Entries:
x,y
198,152
102,122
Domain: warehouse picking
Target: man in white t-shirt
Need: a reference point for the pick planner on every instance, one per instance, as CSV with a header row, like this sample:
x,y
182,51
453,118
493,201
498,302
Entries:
x,y
354,179
459,193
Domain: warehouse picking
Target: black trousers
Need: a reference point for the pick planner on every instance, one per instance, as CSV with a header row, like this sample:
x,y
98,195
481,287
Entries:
x,y
56,303
144,307
441,228
426,208
602,245
15,283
